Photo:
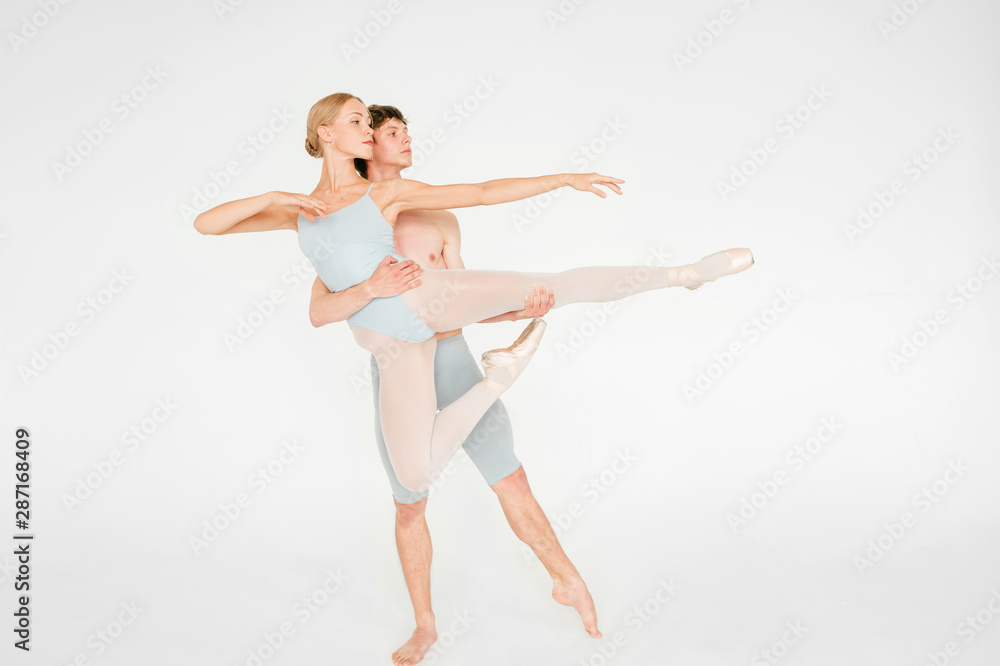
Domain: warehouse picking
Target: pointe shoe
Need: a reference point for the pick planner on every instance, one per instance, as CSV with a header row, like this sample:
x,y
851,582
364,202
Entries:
x,y
740,259
502,366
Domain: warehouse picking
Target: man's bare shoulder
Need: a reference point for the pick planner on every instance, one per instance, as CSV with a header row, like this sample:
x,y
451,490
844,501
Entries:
x,y
443,219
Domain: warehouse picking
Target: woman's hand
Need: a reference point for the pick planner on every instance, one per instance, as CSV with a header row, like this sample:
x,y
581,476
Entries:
x,y
587,182
300,203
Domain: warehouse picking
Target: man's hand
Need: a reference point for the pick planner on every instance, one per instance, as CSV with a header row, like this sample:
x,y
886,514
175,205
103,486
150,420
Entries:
x,y
393,277
537,303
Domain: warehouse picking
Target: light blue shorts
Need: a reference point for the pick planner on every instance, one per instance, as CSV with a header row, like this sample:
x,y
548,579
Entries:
x,y
491,444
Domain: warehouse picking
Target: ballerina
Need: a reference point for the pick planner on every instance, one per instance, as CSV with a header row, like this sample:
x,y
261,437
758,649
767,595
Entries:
x,y
355,236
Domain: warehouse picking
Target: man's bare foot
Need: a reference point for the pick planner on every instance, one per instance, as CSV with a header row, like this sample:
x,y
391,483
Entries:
x,y
413,650
574,593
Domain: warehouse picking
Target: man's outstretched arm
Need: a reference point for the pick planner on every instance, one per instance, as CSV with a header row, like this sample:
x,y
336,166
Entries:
x,y
389,279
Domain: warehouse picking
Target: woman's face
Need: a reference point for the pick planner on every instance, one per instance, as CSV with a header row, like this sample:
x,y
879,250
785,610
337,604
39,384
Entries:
x,y
351,130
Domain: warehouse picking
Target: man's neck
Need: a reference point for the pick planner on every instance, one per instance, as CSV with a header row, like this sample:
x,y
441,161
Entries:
x,y
378,172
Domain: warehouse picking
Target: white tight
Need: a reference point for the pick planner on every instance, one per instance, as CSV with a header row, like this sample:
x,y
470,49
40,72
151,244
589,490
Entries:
x,y
420,442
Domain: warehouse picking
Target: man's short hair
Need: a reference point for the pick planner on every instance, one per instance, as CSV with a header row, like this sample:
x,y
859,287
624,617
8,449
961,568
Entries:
x,y
381,114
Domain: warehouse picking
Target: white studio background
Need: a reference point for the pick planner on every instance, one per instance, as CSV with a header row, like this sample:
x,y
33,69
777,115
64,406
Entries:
x,y
837,474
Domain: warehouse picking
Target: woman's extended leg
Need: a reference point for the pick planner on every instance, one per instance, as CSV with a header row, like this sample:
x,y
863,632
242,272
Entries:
x,y
450,299
418,441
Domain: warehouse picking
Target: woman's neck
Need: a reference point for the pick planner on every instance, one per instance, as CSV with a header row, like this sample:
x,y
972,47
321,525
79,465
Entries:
x,y
339,175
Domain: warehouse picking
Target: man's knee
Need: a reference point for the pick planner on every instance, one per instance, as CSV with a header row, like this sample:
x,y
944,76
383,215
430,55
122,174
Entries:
x,y
514,483
407,514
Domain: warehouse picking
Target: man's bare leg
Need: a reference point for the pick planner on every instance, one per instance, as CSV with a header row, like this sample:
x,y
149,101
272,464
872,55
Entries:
x,y
531,526
413,541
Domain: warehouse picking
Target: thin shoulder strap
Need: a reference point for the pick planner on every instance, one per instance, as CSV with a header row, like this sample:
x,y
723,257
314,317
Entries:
x,y
370,187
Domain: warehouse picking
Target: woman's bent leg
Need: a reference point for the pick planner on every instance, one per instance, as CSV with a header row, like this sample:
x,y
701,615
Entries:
x,y
450,299
419,443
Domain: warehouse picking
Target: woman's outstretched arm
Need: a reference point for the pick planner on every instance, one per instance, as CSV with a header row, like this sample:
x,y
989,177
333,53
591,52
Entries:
x,y
405,194
264,212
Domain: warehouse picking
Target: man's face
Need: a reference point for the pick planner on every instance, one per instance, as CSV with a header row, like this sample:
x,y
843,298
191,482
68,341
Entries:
x,y
392,145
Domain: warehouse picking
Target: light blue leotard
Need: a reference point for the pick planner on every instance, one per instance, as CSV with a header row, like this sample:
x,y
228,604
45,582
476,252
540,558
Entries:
x,y
346,247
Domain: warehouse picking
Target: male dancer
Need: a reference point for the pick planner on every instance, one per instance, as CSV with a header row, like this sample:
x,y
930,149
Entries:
x,y
433,238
